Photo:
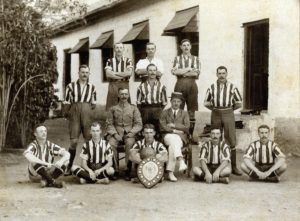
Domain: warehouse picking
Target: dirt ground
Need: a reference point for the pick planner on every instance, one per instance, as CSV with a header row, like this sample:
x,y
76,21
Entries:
x,y
121,200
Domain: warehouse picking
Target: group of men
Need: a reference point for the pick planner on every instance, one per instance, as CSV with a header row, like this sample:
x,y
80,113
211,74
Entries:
x,y
164,131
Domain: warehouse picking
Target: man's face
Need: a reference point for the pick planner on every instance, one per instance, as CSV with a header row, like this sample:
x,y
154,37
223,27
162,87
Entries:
x,y
222,75
186,47
215,135
264,134
150,49
119,48
175,103
84,74
149,134
96,132
123,95
41,133
152,71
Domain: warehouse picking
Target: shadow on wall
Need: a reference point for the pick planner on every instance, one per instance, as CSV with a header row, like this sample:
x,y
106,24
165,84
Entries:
x,y
287,135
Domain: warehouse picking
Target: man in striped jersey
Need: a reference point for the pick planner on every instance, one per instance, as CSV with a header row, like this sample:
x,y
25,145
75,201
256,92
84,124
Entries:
x,y
96,158
141,66
263,160
151,97
222,98
81,95
40,154
123,123
174,126
147,146
187,69
214,160
118,71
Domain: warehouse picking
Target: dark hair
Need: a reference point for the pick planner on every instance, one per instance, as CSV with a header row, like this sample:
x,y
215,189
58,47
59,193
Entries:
x,y
122,88
185,40
149,65
83,66
215,128
263,126
39,125
95,124
221,68
150,43
118,43
149,126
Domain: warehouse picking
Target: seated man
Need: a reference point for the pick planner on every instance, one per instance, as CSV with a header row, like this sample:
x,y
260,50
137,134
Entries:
x,y
174,126
263,159
214,160
40,154
123,123
96,158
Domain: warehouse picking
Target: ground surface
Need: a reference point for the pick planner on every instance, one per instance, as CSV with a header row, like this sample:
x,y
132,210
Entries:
x,y
121,200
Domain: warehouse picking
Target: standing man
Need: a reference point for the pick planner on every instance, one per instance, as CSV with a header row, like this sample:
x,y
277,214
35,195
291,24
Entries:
x,y
214,160
141,66
187,69
118,71
81,95
263,160
174,126
96,158
222,98
151,98
40,153
123,123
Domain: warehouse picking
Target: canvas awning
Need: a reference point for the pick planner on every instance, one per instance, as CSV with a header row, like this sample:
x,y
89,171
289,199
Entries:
x,y
82,45
105,40
139,31
184,20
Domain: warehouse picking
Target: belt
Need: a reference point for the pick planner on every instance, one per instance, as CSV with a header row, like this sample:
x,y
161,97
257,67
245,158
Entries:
x,y
151,105
186,77
222,108
119,80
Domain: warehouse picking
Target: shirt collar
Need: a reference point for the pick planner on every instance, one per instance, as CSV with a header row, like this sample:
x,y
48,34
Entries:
x,y
155,82
188,55
144,142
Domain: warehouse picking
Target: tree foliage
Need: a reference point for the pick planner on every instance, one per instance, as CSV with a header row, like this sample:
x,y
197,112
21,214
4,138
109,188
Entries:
x,y
27,67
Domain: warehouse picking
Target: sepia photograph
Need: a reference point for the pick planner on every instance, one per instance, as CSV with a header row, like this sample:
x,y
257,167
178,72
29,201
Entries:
x,y
150,110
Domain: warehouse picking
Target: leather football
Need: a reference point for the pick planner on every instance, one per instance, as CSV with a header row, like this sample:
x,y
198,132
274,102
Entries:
x,y
147,152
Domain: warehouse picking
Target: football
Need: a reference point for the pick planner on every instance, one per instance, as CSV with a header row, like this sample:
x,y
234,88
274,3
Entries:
x,y
147,152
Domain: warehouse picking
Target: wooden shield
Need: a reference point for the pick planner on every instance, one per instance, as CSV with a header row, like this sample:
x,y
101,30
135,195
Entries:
x,y
150,172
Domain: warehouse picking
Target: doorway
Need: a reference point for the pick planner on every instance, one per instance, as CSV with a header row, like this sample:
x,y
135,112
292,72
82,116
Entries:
x,y
257,65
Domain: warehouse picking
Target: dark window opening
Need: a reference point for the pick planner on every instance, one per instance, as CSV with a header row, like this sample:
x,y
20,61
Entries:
x,y
107,53
139,52
256,66
67,70
193,37
84,57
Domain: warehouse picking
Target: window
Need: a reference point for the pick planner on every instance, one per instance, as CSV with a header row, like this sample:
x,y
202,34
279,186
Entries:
x,y
82,48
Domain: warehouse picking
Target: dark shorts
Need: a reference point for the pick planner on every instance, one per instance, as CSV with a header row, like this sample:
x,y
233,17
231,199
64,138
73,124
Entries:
x,y
263,167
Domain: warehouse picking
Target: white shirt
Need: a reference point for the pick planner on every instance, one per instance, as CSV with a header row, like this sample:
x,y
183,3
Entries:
x,y
143,63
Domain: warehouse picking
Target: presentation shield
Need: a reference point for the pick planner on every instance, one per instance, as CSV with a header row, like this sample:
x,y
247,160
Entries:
x,y
150,172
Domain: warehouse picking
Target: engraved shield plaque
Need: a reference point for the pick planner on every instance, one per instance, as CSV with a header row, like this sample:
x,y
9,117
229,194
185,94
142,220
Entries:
x,y
150,172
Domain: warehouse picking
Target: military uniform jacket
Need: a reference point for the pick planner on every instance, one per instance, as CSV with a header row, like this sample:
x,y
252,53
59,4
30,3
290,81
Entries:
x,y
182,123
124,119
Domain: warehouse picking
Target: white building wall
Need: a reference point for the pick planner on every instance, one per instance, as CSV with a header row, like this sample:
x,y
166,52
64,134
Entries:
x,y
221,42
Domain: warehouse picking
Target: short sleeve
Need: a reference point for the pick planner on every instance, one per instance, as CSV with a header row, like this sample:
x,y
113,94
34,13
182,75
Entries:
x,y
161,148
129,63
175,63
139,65
237,98
108,152
30,149
249,153
108,64
225,154
204,153
84,153
277,152
57,150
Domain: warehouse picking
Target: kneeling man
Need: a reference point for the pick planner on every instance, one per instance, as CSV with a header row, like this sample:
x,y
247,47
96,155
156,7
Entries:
x,y
174,126
214,160
263,159
96,158
40,154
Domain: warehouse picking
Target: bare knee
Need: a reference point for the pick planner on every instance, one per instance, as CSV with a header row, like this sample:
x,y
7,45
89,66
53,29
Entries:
x,y
110,171
282,168
226,171
74,167
197,171
244,167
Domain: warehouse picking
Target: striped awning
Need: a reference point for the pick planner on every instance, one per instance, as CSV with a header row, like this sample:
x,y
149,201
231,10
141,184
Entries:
x,y
105,40
82,45
182,19
139,31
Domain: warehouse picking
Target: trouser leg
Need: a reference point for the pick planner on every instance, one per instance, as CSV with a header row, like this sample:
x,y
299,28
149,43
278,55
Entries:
x,y
174,144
